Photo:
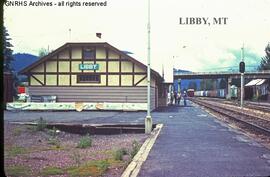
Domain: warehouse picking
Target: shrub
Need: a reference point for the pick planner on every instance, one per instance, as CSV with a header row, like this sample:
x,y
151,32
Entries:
x,y
31,128
49,171
118,154
41,124
17,171
135,148
52,132
93,168
16,150
85,141
17,131
54,141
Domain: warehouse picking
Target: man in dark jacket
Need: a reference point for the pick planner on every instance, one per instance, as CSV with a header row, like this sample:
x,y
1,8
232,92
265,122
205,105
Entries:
x,y
185,98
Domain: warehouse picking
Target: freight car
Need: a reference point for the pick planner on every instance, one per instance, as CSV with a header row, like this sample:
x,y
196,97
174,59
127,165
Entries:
x,y
219,93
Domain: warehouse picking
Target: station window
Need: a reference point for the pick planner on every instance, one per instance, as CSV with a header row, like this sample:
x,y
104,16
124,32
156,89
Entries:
x,y
88,78
89,53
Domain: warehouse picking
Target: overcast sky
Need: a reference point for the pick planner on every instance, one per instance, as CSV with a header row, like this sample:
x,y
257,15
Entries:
x,y
123,23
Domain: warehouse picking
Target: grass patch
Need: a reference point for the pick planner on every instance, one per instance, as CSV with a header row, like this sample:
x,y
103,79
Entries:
x,y
41,124
116,163
93,168
56,148
31,128
48,171
17,131
16,150
135,148
118,154
17,171
85,141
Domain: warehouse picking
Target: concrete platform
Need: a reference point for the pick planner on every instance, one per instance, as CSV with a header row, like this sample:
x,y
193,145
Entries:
x,y
193,143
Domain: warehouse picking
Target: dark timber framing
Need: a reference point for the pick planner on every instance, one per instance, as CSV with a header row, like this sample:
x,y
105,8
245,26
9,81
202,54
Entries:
x,y
95,57
82,59
45,72
98,59
133,74
57,70
107,66
120,71
103,44
140,80
29,80
69,47
37,80
70,65
109,73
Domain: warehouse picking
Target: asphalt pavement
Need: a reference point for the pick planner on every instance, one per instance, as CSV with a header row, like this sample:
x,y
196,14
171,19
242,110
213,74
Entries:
x,y
191,143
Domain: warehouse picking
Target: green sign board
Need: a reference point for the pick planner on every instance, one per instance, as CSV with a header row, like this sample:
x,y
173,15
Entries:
x,y
89,66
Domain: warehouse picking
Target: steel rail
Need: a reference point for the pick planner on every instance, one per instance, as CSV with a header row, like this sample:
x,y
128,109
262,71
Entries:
x,y
249,105
258,128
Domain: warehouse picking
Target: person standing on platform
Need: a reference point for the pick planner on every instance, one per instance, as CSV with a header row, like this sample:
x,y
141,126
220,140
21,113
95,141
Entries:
x,y
178,98
185,98
175,98
172,98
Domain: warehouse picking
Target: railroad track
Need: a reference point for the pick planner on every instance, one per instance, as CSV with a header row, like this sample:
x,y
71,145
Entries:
x,y
237,109
258,107
248,121
263,107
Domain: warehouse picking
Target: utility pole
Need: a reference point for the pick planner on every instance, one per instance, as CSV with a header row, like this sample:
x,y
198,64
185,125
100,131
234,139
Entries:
x,y
148,118
242,70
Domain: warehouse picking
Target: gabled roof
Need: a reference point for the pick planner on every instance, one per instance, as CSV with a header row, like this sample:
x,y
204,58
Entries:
x,y
96,44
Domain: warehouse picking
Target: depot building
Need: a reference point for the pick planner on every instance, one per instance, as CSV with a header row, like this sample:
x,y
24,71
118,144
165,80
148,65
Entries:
x,y
93,73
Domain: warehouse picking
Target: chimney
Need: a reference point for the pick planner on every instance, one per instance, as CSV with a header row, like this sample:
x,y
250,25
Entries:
x,y
98,35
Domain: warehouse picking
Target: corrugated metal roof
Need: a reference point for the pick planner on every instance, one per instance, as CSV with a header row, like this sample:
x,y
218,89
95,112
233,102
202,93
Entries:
x,y
255,82
261,82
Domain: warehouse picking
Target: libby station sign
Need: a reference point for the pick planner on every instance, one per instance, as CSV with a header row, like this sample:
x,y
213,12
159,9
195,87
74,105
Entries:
x,y
89,66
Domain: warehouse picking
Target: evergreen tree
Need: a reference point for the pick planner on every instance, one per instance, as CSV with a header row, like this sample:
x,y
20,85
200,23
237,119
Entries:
x,y
265,62
8,59
42,52
7,51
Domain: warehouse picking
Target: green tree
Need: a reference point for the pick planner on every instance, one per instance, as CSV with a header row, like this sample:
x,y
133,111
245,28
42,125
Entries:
x,y
42,52
265,62
7,52
8,59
